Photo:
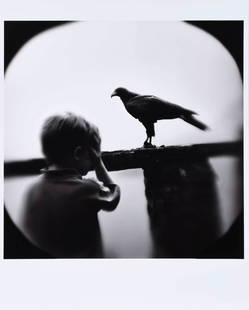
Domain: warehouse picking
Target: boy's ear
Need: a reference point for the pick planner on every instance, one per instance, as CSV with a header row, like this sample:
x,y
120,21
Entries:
x,y
78,152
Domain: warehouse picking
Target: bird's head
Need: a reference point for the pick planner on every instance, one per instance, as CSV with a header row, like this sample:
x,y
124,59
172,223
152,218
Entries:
x,y
124,94
119,92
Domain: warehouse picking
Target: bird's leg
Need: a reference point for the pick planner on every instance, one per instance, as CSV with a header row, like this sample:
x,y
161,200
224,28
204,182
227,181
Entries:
x,y
150,142
146,143
150,131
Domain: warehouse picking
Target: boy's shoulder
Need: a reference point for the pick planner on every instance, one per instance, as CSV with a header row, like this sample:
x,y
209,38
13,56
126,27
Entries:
x,y
92,186
73,185
89,189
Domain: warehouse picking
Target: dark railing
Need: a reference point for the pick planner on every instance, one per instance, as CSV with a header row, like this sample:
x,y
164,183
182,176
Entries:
x,y
136,158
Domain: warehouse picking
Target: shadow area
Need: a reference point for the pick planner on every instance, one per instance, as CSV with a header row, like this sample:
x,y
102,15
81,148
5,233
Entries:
x,y
17,246
183,207
231,244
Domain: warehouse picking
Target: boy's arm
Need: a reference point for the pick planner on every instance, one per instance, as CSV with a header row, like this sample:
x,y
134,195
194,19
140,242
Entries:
x,y
102,173
108,196
100,169
103,197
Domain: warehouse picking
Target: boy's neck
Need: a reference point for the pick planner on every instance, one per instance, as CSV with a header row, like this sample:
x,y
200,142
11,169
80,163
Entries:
x,y
62,167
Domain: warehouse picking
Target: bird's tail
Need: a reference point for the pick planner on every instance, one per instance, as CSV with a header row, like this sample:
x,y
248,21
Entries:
x,y
193,121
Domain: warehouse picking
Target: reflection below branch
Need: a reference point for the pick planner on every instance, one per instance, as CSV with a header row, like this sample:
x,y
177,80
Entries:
x,y
183,207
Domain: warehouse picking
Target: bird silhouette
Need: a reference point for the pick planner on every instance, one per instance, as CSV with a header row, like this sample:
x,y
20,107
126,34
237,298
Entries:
x,y
149,109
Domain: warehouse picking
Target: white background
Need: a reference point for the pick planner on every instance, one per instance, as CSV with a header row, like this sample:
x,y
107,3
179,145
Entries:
x,y
126,284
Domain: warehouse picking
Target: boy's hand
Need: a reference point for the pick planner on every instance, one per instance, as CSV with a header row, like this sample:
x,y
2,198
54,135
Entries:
x,y
96,157
100,169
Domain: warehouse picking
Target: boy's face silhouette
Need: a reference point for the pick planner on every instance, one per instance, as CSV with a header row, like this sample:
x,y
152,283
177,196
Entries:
x,y
84,160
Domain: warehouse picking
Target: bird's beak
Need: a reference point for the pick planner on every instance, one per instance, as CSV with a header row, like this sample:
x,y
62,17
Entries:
x,y
114,94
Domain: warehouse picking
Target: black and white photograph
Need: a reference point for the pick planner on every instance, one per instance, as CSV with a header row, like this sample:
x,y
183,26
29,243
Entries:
x,y
124,154
123,139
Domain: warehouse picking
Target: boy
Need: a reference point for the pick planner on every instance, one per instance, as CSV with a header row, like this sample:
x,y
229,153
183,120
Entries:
x,y
60,213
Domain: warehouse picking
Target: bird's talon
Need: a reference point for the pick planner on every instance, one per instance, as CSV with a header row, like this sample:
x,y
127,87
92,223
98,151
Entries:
x,y
148,145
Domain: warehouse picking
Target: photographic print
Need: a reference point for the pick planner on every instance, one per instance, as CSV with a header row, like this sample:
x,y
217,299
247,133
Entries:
x,y
123,139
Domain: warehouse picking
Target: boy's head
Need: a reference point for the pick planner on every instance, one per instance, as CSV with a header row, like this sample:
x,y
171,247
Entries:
x,y
68,139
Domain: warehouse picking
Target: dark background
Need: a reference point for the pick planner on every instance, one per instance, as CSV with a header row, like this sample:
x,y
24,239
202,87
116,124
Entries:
x,y
229,33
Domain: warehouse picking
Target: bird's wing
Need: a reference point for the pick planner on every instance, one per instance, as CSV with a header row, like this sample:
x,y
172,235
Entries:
x,y
153,108
139,106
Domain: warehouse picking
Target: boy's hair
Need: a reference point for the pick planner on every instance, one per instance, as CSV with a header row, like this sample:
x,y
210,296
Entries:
x,y
61,134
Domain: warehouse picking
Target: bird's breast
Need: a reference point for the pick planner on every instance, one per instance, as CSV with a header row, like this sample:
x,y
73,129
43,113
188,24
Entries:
x,y
130,109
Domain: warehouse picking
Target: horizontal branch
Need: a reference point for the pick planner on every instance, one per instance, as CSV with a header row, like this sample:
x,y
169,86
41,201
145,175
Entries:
x,y
137,158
